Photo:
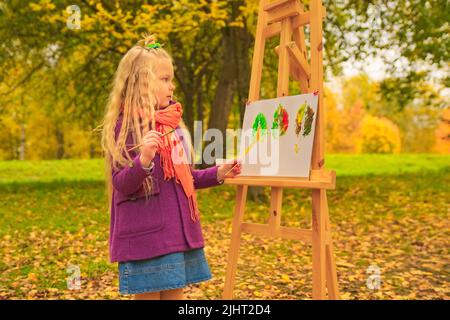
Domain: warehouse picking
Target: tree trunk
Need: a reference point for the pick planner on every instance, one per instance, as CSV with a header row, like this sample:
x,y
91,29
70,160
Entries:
x,y
223,98
22,141
188,109
243,43
92,154
59,143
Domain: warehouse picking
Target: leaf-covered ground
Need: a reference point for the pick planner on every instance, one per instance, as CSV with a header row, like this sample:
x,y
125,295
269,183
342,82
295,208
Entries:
x,y
395,222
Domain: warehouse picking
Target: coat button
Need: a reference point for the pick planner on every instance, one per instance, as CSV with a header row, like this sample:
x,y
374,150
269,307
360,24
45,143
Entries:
x,y
131,164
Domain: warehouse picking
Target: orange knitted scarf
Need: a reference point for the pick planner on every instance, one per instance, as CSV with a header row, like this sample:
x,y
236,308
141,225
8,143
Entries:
x,y
174,160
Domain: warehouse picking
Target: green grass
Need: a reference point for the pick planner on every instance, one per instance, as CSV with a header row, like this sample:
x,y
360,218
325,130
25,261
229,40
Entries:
x,y
53,205
385,164
70,194
26,172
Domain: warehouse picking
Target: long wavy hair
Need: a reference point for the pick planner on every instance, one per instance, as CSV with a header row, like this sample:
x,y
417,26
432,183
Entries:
x,y
134,89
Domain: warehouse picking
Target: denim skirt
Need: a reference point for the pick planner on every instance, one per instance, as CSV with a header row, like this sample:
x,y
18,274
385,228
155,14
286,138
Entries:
x,y
170,271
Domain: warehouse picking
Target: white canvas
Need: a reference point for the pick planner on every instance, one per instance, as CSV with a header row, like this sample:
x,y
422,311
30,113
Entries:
x,y
287,154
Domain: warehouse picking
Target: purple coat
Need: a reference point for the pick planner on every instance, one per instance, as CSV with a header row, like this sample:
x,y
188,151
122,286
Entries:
x,y
143,229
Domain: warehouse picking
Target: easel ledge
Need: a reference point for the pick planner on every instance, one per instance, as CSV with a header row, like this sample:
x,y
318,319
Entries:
x,y
319,179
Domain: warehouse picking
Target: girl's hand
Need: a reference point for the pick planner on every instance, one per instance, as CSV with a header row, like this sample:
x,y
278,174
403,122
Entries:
x,y
229,170
152,141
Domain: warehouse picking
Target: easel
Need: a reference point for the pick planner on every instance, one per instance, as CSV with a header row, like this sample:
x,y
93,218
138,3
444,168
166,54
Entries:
x,y
288,18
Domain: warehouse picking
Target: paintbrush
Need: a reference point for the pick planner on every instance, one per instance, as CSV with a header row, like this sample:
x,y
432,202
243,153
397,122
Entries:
x,y
140,145
246,151
230,169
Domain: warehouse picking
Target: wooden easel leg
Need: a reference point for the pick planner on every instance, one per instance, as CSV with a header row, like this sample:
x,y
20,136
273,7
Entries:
x,y
233,254
332,283
318,243
332,286
275,210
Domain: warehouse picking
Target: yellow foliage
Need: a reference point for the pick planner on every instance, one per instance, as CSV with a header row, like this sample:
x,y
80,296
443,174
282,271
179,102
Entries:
x,y
285,278
378,135
9,135
334,135
342,125
443,133
42,5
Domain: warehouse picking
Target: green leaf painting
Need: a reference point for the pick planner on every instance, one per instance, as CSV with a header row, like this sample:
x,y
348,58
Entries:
x,y
259,125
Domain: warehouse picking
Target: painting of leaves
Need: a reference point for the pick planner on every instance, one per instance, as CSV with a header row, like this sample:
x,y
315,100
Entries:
x,y
308,121
281,120
259,126
292,121
259,130
299,118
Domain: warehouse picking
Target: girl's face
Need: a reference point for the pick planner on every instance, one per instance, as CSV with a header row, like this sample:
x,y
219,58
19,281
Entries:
x,y
165,86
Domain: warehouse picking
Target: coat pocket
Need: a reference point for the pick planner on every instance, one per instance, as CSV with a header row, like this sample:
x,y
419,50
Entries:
x,y
138,214
120,198
135,218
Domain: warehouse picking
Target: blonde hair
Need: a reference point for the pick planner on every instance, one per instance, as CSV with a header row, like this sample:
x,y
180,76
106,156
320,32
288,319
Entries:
x,y
134,89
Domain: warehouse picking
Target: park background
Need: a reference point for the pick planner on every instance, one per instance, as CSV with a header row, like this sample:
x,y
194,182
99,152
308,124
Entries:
x,y
387,136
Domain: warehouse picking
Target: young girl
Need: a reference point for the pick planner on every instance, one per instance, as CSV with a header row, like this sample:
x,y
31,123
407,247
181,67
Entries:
x,y
155,232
